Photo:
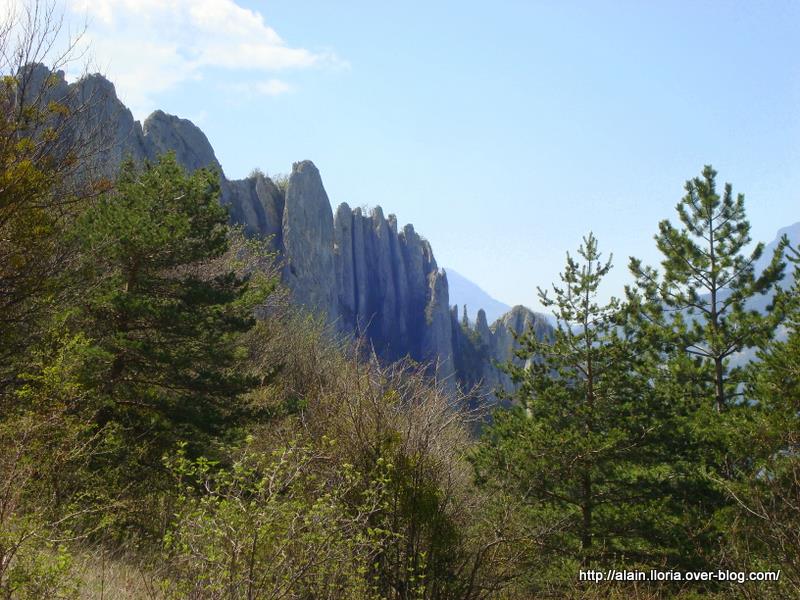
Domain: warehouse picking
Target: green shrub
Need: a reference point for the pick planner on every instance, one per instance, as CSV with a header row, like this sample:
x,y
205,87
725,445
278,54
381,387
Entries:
x,y
283,525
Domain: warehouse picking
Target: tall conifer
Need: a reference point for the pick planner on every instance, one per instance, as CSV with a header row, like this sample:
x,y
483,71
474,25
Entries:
x,y
698,303
163,314
575,449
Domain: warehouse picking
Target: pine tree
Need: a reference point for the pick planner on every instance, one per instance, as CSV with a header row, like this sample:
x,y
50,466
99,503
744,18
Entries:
x,y
576,447
163,311
767,495
692,316
697,305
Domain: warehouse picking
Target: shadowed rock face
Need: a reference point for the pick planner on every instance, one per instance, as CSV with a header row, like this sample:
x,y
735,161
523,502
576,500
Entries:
x,y
167,133
502,342
358,270
482,347
257,204
390,289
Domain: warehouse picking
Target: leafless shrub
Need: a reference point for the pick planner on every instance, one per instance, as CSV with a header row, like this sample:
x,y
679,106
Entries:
x,y
451,539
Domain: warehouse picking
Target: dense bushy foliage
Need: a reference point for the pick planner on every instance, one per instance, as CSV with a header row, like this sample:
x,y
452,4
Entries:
x,y
636,437
578,447
174,411
171,427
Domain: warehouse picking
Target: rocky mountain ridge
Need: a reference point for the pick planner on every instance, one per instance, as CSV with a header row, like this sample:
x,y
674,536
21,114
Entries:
x,y
465,292
365,274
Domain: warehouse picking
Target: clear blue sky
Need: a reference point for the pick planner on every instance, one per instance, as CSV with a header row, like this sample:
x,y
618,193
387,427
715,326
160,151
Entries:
x,y
503,130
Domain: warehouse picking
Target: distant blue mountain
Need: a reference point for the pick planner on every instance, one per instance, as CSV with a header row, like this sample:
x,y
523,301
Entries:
x,y
760,303
463,291
793,233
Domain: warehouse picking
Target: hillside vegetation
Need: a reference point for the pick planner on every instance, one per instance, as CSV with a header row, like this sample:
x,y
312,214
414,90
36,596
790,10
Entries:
x,y
172,426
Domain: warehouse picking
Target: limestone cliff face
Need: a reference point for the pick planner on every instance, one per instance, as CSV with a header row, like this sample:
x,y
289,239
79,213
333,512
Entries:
x,y
437,339
308,242
257,204
167,133
367,276
390,289
502,343
480,349
103,127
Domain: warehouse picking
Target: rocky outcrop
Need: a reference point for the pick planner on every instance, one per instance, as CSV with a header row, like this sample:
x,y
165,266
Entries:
x,y
503,342
345,263
308,242
256,203
437,339
481,348
390,290
101,127
359,270
167,133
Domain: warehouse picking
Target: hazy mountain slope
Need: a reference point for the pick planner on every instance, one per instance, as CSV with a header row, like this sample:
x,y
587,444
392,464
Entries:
x,y
466,292
793,233
760,303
